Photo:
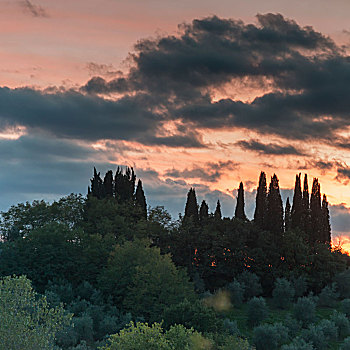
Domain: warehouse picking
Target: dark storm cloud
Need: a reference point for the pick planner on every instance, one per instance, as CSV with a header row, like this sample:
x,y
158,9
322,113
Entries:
x,y
210,172
34,10
340,219
271,148
343,174
309,72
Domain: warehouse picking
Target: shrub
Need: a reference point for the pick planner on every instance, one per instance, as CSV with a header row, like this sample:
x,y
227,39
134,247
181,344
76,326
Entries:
x,y
234,343
314,334
283,293
257,311
342,280
346,344
298,344
345,307
328,296
329,329
231,327
236,290
293,326
342,323
305,310
300,286
269,337
196,315
252,284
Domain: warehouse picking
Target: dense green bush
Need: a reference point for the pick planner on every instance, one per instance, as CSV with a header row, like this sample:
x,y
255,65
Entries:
x,y
283,293
300,286
298,344
328,296
305,310
236,290
251,283
346,344
342,323
314,335
329,329
345,307
257,311
269,337
293,325
196,315
342,280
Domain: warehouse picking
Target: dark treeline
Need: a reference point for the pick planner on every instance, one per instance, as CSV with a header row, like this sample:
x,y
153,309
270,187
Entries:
x,y
109,259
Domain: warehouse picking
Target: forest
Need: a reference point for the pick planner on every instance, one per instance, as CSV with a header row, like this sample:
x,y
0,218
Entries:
x,y
106,271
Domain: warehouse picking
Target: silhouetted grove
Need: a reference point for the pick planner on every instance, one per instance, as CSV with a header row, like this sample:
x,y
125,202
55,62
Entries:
x,y
111,260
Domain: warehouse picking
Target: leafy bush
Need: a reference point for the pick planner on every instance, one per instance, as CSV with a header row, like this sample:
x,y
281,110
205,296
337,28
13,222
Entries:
x,y
329,329
144,337
346,344
328,296
252,284
283,293
257,311
293,325
300,286
233,343
305,310
345,307
342,323
196,315
231,327
298,344
269,337
236,290
342,280
314,335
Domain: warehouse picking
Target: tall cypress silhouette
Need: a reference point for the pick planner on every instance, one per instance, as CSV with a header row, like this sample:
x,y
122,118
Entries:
x,y
217,214
203,211
297,208
191,208
316,212
306,217
108,184
287,216
140,200
275,221
306,199
124,184
97,189
261,202
239,212
326,226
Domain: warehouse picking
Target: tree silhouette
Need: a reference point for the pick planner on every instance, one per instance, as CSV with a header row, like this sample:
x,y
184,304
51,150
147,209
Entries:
x,y
275,208
140,200
297,208
261,202
191,208
239,212
217,213
316,212
287,216
203,211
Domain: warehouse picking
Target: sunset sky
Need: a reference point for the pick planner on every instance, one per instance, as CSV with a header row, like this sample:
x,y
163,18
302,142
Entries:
x,y
190,93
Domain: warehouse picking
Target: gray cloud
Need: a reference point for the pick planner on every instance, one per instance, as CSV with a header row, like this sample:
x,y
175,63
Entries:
x,y
271,148
34,10
340,219
343,174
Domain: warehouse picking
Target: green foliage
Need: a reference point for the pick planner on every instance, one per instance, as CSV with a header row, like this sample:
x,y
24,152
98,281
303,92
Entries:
x,y
329,330
346,344
236,290
305,310
345,307
328,296
299,285
252,284
342,279
144,281
233,343
283,293
144,337
269,337
342,323
298,344
314,335
26,320
257,311
193,314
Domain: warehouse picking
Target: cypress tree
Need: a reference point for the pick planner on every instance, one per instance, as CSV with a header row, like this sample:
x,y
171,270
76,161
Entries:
x,y
287,216
297,208
191,208
203,211
275,221
305,218
217,214
261,202
316,212
124,184
306,199
239,212
140,200
97,189
108,184
326,226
